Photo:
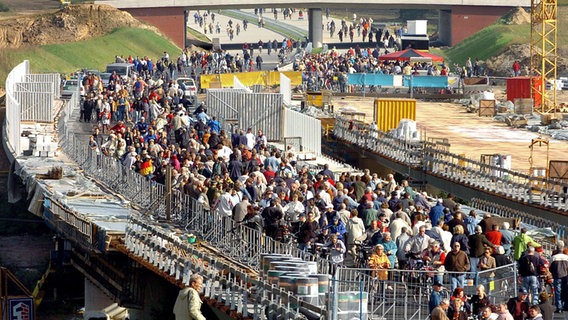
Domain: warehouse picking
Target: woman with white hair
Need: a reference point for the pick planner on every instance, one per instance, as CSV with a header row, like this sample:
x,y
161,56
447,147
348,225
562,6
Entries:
x,y
379,262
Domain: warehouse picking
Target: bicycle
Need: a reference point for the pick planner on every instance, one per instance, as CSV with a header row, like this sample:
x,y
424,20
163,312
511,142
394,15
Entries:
x,y
361,252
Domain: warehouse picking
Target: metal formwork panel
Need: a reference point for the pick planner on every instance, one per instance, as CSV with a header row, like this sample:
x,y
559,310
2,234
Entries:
x,y
54,78
389,112
262,111
35,106
308,128
223,103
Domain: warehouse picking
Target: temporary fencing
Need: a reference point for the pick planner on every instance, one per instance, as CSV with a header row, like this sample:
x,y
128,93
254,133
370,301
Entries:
x,y
406,293
245,110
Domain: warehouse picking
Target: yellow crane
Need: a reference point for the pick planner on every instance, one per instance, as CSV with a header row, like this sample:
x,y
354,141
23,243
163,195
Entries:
x,y
543,53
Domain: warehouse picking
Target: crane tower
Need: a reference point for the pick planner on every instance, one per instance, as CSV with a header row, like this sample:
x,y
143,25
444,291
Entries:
x,y
543,53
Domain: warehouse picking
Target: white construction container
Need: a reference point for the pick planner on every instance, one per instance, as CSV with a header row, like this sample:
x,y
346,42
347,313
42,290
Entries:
x,y
417,27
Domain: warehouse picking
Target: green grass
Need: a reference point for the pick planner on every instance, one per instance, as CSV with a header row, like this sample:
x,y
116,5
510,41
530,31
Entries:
x,y
95,53
198,35
487,43
495,39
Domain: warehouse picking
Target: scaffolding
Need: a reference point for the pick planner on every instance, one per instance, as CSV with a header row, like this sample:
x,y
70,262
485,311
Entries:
x,y
543,53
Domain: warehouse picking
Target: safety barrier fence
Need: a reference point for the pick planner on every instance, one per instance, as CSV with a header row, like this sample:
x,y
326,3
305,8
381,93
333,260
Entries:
x,y
226,284
428,157
37,100
13,107
236,241
262,111
53,78
405,293
308,128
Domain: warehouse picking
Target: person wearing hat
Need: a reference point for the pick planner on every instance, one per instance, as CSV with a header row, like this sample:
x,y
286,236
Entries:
x,y
457,262
336,227
435,296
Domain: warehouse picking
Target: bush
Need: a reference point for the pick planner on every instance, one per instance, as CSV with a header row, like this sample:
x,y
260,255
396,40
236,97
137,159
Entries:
x,y
4,7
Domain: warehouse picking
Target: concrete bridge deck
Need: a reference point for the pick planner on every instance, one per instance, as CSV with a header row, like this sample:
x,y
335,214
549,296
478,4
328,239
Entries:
x,y
204,4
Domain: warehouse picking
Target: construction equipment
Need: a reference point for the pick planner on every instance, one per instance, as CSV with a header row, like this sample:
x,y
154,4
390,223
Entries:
x,y
543,52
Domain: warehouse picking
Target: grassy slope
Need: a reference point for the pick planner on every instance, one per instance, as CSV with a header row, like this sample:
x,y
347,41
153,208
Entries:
x,y
93,54
495,39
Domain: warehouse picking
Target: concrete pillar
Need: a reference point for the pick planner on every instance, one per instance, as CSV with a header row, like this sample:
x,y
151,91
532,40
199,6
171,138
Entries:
x,y
315,32
445,27
95,299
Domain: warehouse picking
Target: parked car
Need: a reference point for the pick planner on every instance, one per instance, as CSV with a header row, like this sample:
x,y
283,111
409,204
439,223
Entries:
x,y
105,78
125,70
187,85
71,86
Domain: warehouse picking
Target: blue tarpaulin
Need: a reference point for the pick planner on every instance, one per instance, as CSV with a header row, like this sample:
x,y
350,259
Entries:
x,y
370,79
375,79
429,81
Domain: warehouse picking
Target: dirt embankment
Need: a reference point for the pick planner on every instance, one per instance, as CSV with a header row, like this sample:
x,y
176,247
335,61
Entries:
x,y
75,23
502,64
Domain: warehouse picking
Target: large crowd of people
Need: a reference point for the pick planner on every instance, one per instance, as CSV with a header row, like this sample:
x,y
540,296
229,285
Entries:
x,y
149,125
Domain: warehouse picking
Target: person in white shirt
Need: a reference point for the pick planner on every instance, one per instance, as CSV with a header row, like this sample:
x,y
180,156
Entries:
x,y
293,209
251,139
355,231
224,152
225,203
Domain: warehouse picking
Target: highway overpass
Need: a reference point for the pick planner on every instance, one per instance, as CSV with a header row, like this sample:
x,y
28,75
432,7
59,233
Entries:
x,y
458,18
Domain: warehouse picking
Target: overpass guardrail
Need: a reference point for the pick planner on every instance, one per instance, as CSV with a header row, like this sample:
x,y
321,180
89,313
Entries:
x,y
432,159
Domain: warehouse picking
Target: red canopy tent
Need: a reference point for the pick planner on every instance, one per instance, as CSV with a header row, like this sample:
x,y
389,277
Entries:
x,y
411,55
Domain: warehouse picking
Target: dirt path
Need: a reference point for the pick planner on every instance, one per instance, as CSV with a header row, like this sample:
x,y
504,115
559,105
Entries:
x,y
469,134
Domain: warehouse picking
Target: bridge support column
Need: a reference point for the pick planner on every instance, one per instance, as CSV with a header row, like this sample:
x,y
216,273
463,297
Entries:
x,y
96,301
315,32
445,27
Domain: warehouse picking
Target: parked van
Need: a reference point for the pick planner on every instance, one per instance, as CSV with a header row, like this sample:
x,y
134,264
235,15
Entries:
x,y
125,70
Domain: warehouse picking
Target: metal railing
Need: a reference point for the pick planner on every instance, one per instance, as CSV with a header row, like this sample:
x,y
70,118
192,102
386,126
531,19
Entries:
x,y
405,294
499,210
173,255
405,151
425,156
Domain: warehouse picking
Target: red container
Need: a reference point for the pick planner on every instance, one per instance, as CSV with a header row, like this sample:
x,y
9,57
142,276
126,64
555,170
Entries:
x,y
520,88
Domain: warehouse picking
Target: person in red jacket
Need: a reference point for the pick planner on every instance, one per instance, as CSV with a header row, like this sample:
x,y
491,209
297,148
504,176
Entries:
x,y
494,235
